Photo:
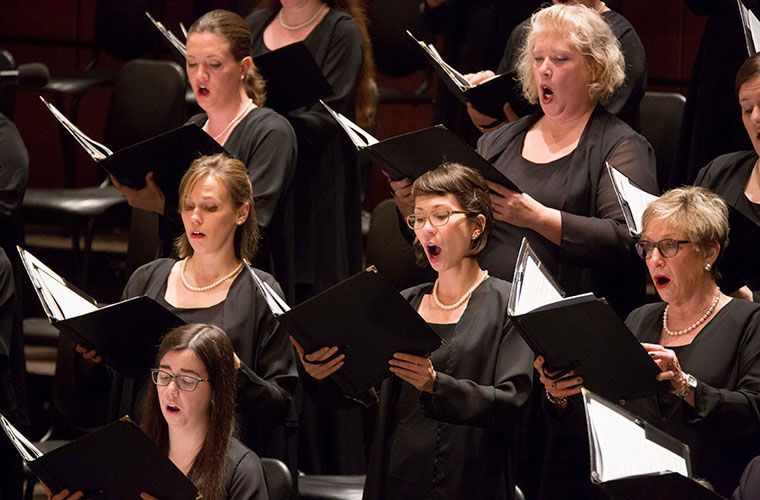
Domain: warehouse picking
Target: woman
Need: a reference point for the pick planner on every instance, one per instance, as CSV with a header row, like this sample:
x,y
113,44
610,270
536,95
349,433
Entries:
x,y
446,424
570,65
736,176
231,93
191,415
211,284
706,343
327,183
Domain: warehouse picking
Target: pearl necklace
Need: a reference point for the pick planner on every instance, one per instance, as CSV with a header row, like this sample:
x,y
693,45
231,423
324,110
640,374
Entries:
x,y
212,285
303,24
247,105
686,330
464,297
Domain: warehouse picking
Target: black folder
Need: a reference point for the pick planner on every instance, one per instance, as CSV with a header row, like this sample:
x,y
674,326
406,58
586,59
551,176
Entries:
x,y
125,334
168,155
367,319
584,334
664,486
116,462
739,264
293,79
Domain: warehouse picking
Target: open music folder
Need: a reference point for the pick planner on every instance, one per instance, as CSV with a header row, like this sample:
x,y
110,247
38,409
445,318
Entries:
x,y
167,155
579,333
365,317
488,97
293,78
412,154
125,334
632,459
632,199
116,462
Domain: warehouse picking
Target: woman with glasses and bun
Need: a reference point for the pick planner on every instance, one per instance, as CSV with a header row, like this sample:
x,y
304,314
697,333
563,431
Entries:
x,y
706,344
190,415
447,423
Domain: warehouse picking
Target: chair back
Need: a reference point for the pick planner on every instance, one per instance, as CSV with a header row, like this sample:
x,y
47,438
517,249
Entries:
x,y
661,115
148,99
7,92
395,54
278,479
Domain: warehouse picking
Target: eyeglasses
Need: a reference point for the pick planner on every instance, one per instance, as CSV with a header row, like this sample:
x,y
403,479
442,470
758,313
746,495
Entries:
x,y
437,218
667,247
186,383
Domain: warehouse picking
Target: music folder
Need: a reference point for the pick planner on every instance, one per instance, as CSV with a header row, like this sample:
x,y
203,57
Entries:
x,y
167,155
116,462
365,317
739,264
488,97
579,333
633,460
412,154
125,334
632,199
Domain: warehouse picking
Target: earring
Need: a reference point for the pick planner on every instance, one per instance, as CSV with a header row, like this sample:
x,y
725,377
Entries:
x,y
708,267
475,234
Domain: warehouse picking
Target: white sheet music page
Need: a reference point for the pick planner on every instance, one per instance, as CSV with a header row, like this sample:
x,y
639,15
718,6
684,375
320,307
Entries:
x,y
636,198
536,290
358,136
751,26
24,447
621,448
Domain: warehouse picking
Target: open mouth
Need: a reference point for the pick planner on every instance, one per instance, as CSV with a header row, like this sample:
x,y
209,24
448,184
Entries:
x,y
172,408
203,91
433,250
661,280
197,234
546,93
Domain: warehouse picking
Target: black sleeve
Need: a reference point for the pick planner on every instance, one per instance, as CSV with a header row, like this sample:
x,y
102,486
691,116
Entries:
x,y
635,72
606,232
14,170
247,482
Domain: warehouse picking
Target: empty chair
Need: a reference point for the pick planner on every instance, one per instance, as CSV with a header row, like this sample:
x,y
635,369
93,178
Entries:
x,y
661,115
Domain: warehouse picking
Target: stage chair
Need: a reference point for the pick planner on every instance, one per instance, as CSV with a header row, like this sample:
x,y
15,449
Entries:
x,y
661,116
278,479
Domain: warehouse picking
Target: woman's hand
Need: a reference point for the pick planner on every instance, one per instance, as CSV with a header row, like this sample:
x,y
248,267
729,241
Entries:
x,y
558,387
670,369
311,361
402,194
147,496
520,210
61,495
413,369
90,355
149,198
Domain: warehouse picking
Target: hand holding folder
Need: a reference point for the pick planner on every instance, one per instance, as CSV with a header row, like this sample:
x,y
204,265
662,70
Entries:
x,y
365,318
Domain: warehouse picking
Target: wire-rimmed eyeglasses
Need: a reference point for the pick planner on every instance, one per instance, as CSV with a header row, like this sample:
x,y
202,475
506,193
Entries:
x,y
667,247
437,218
187,383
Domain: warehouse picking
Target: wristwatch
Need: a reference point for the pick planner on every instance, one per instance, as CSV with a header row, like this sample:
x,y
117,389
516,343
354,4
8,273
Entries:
x,y
690,384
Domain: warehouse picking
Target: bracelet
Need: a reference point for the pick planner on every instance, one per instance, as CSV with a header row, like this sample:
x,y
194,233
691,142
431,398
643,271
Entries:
x,y
555,401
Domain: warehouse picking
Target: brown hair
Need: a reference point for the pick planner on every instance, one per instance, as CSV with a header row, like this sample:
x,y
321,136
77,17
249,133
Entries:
x,y
233,176
585,30
701,214
214,349
471,192
749,70
234,29
366,93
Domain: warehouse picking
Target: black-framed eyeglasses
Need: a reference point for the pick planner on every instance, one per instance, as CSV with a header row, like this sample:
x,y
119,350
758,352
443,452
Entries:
x,y
437,218
187,383
667,247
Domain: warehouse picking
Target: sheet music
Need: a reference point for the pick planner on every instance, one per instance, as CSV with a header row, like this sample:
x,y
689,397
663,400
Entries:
x,y
358,136
25,448
455,75
96,150
751,26
61,301
622,448
176,42
531,288
629,195
274,302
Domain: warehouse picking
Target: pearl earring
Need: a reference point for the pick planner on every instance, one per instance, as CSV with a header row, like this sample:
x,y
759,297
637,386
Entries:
x,y
475,234
708,267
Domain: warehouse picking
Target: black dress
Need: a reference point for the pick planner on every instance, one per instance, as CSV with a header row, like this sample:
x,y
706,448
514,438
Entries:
x,y
624,103
596,252
723,428
727,176
244,478
326,187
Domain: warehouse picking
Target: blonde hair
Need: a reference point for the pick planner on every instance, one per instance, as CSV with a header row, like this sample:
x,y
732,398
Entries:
x,y
234,29
696,211
233,176
591,36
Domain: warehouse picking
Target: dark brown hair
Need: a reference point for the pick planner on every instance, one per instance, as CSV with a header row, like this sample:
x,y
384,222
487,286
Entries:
x,y
234,29
233,176
366,94
749,69
214,349
470,190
